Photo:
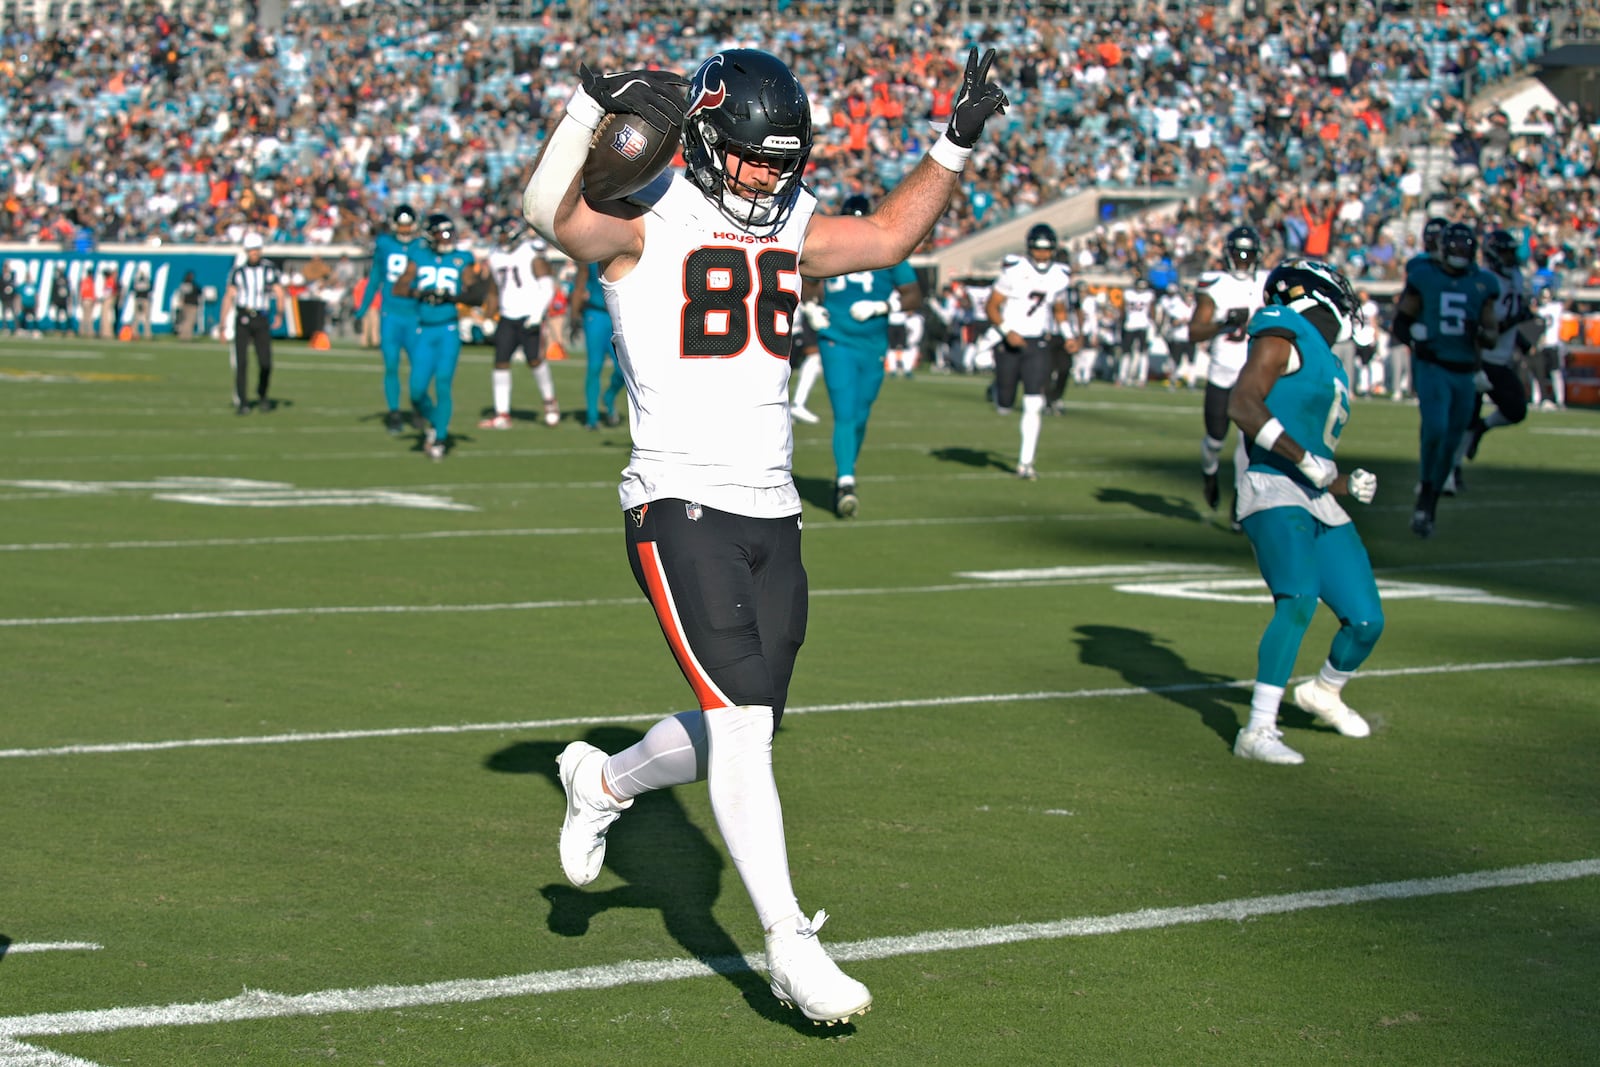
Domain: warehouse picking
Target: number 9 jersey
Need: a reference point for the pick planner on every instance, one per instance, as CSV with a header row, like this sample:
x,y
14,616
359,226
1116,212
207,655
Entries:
x,y
702,328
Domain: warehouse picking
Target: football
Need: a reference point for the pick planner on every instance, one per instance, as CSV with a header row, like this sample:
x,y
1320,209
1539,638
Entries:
x,y
626,154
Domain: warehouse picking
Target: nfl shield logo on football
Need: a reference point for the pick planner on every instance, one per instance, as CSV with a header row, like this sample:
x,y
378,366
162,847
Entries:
x,y
694,512
628,142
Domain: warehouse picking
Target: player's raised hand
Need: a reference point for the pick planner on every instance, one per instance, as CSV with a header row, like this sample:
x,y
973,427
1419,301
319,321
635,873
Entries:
x,y
1362,484
657,96
977,101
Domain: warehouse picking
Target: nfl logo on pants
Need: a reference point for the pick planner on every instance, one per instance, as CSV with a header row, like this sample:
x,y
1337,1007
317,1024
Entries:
x,y
693,511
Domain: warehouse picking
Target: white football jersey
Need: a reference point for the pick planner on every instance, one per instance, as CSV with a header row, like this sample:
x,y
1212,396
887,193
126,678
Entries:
x,y
1228,293
1137,305
522,296
1510,307
1030,297
702,337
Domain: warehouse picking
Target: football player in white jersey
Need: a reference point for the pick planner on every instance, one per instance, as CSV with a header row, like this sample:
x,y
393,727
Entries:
x,y
1548,374
520,293
1138,318
1520,328
702,277
1027,305
1226,300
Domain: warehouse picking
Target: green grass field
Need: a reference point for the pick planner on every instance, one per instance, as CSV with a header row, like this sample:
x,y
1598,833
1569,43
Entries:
x,y
283,699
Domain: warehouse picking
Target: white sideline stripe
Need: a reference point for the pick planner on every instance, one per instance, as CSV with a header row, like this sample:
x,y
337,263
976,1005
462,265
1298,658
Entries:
x,y
552,531
813,709
519,605
259,1004
49,946
16,1054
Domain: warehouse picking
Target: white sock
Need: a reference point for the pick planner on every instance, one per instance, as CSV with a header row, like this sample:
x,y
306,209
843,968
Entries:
x,y
744,799
671,753
1264,703
1333,677
502,390
1496,418
1032,411
1210,454
547,385
810,371
847,482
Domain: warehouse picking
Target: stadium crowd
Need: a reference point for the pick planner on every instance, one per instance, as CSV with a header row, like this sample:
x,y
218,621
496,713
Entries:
x,y
1313,125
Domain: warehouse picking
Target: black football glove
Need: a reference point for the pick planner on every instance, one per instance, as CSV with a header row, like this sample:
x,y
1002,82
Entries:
x,y
977,100
657,96
1237,318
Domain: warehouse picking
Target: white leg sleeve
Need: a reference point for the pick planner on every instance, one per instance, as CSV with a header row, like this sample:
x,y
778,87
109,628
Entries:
x,y
671,753
501,380
1032,410
810,371
1210,454
744,799
546,384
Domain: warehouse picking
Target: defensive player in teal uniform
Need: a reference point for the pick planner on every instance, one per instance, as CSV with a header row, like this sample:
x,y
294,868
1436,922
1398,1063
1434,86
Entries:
x,y
1291,401
1446,313
587,305
397,314
854,343
437,275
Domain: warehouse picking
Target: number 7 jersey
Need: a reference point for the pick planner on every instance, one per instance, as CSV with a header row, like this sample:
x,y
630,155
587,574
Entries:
x,y
702,332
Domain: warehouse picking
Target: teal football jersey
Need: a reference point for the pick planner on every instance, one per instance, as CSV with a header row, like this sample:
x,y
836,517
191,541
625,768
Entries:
x,y
1312,401
1451,306
439,272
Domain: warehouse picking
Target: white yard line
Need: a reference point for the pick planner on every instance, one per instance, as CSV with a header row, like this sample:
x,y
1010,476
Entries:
x,y
814,709
257,1004
48,946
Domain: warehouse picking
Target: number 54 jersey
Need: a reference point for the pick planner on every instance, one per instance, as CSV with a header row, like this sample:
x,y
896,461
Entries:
x,y
702,332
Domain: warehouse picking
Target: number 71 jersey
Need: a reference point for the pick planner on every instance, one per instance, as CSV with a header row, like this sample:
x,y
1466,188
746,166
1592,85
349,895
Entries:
x,y
701,326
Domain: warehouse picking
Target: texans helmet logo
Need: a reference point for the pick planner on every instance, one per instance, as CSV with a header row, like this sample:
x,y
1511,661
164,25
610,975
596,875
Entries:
x,y
709,91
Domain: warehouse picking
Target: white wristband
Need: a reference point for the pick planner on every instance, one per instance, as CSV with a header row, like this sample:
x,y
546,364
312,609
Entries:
x,y
949,155
585,110
1268,435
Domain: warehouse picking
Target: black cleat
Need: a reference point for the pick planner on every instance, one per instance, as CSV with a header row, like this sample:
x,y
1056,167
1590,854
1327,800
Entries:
x,y
1422,523
1212,492
394,423
845,503
241,409
264,405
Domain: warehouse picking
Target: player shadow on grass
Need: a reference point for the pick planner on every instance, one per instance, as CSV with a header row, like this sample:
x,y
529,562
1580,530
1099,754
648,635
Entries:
x,y
5,943
1145,662
971,457
668,866
1166,505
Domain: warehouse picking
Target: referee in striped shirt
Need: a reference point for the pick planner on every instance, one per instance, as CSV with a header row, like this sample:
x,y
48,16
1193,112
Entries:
x,y
248,318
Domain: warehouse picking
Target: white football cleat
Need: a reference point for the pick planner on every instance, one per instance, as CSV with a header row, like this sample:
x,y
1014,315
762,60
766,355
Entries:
x,y
802,974
552,412
501,421
800,412
590,812
1329,707
1265,744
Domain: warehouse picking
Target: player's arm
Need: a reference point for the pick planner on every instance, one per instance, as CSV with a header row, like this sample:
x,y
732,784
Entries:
x,y
405,285
1204,325
1488,325
280,297
1268,360
375,275
910,296
491,300
552,203
839,244
1406,312
994,311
